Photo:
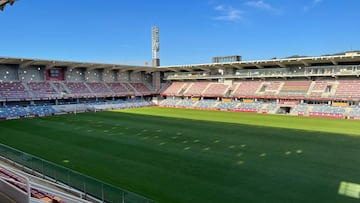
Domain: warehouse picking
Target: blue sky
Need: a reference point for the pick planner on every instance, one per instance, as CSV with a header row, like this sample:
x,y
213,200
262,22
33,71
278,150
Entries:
x,y
191,31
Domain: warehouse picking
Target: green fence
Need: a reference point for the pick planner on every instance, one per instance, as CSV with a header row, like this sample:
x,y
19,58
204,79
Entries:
x,y
86,184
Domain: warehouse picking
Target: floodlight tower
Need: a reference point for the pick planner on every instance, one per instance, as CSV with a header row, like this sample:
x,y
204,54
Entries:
x,y
155,46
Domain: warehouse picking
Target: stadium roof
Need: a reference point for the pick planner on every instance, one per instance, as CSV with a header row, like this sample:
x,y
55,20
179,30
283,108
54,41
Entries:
x,y
24,62
4,2
347,57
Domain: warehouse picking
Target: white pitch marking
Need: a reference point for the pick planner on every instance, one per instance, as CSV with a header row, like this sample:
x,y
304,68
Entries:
x,y
240,162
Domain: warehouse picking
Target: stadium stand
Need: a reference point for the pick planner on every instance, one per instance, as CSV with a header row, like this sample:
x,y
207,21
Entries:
x,y
120,104
20,183
79,89
215,90
118,89
26,188
8,73
93,75
196,88
99,89
186,103
270,108
170,102
247,89
271,88
76,75
129,87
327,111
249,107
60,87
175,88
307,80
43,110
206,104
141,88
295,88
354,113
348,89
13,112
227,105
31,74
300,110
318,88
42,90
12,91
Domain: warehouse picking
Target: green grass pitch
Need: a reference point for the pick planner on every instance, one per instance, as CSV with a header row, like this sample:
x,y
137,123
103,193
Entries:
x,y
184,156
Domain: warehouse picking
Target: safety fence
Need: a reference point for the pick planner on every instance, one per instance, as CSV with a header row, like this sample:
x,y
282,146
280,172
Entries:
x,y
88,185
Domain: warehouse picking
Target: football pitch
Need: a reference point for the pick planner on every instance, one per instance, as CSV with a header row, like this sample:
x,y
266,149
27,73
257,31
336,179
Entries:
x,y
185,156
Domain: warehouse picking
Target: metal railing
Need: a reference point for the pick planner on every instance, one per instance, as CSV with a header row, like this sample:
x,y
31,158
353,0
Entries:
x,y
88,185
332,71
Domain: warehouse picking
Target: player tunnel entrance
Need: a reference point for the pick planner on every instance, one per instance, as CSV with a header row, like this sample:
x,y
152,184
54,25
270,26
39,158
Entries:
x,y
284,110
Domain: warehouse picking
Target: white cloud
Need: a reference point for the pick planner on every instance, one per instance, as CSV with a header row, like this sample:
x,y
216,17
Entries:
x,y
220,8
259,4
313,4
228,13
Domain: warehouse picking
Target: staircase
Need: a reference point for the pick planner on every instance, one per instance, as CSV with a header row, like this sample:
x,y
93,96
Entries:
x,y
310,88
27,89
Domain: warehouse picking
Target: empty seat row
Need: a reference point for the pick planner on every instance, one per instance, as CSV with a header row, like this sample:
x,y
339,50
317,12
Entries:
x,y
305,88
20,111
20,183
14,91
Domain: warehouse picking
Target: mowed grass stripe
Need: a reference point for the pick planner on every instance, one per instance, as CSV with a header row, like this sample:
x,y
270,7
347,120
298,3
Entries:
x,y
179,156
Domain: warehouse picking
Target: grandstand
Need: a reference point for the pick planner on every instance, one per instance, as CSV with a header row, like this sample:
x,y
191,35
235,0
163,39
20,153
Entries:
x,y
308,86
323,86
268,84
23,187
25,83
